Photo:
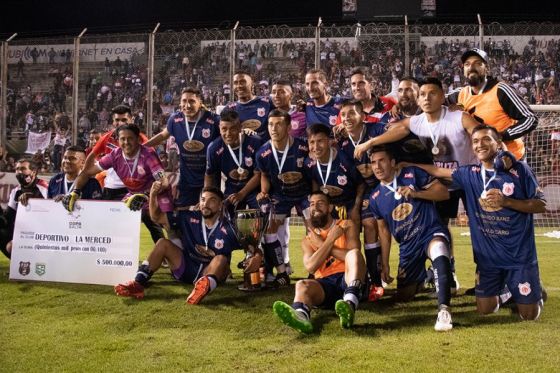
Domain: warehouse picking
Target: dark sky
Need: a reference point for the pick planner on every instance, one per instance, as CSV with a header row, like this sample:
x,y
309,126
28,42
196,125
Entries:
x,y
40,17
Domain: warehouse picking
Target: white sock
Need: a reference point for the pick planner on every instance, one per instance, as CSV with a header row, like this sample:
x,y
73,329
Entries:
x,y
213,283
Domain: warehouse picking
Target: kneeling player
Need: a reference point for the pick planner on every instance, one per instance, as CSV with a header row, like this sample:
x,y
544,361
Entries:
x,y
402,204
207,239
331,251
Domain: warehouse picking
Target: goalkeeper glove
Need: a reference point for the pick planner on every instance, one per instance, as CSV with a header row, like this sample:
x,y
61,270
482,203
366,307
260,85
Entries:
x,y
136,201
70,199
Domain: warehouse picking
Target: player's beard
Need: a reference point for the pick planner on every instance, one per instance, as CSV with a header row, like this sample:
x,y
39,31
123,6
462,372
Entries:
x,y
409,107
208,214
474,80
319,220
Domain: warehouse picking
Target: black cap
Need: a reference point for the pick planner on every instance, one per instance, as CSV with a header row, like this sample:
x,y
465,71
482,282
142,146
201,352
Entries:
x,y
475,52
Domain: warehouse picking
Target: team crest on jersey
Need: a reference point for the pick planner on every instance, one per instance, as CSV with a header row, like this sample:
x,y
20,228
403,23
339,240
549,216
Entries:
x,y
299,162
206,133
248,161
524,288
507,189
219,244
141,170
342,180
295,124
24,268
402,211
261,112
332,120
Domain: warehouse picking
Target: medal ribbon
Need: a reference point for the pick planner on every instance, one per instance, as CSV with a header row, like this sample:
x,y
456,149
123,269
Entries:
x,y
329,166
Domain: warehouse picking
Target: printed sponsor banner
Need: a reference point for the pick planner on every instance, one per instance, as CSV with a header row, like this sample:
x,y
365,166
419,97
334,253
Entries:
x,y
38,141
98,243
88,52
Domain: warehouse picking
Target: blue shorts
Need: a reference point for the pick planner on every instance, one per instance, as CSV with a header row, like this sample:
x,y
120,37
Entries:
x,y
188,196
284,207
334,286
366,212
348,207
189,271
523,283
412,262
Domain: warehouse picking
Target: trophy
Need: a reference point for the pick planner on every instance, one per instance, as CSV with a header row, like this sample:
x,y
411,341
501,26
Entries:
x,y
250,226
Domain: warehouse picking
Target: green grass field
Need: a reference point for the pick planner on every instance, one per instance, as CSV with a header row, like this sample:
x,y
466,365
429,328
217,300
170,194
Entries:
x,y
66,327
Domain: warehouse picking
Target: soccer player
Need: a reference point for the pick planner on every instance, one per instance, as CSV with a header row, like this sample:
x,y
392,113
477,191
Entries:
x,y
207,240
500,207
402,204
280,162
358,131
253,111
331,251
113,187
138,166
30,186
62,183
233,156
193,128
281,95
374,107
321,107
495,103
334,173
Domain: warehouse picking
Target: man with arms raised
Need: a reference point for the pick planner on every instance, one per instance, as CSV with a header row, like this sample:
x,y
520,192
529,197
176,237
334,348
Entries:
x,y
280,162
331,251
500,207
402,204
253,111
207,241
194,128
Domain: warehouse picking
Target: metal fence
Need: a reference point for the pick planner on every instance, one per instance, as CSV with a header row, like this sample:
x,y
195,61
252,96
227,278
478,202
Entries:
x,y
72,82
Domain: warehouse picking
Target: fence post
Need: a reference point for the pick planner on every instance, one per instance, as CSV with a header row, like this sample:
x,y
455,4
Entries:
x,y
406,47
4,84
232,58
75,86
318,44
150,83
480,32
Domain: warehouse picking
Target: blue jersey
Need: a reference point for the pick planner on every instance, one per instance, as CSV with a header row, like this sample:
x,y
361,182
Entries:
x,y
409,149
411,221
220,161
363,164
253,114
326,114
501,237
341,182
291,184
192,164
92,189
222,239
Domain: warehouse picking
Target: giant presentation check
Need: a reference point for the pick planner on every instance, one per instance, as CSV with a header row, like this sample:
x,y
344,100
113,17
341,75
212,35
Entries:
x,y
98,243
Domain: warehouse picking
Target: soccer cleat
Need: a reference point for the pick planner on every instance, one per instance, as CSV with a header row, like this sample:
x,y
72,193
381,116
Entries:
x,y
346,312
282,279
294,319
443,322
131,289
375,293
200,290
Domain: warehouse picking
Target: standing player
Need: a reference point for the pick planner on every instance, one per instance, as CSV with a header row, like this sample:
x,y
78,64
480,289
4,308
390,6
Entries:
x,y
194,128
331,251
281,95
321,108
62,183
500,207
280,162
493,102
233,156
358,131
334,173
207,242
253,111
374,107
113,187
402,204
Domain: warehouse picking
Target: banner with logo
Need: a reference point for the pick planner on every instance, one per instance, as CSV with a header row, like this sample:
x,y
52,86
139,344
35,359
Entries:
x,y
37,141
98,243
